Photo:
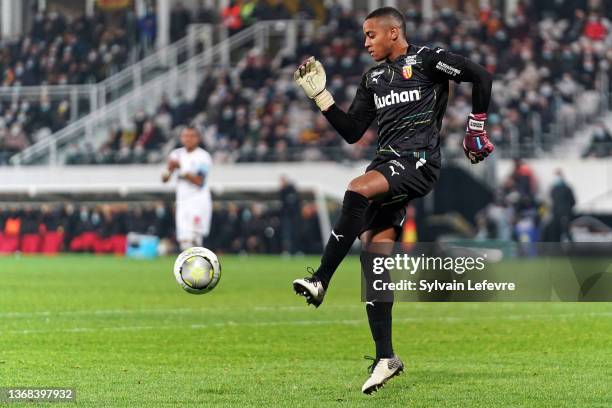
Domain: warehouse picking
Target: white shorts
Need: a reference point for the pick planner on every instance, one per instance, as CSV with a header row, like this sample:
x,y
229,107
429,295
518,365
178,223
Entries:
x,y
193,220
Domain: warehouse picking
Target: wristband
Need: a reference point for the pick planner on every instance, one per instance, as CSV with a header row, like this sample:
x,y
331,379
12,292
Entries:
x,y
476,122
324,100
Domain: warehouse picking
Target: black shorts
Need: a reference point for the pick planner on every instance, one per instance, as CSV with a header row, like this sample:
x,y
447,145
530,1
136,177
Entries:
x,y
409,178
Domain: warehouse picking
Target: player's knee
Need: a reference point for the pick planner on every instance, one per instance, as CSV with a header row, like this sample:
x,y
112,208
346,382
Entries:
x,y
359,187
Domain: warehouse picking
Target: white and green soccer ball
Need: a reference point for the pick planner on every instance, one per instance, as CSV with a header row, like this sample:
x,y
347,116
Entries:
x,y
197,270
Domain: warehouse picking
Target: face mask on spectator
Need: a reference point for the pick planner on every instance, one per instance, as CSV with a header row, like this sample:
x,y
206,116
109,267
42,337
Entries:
x,y
246,215
598,133
496,133
525,55
337,83
501,35
15,130
330,61
227,113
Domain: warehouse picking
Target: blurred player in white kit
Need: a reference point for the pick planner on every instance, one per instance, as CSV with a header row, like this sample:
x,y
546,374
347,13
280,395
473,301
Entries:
x,y
193,199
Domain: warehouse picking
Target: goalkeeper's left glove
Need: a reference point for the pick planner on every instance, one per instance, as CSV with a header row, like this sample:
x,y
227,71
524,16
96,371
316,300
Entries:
x,y
310,76
476,144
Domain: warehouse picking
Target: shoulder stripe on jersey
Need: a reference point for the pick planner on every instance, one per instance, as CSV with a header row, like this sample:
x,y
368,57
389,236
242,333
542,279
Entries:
x,y
420,49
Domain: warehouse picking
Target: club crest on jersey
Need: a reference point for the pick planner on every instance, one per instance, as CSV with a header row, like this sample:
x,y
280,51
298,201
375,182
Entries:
x,y
407,72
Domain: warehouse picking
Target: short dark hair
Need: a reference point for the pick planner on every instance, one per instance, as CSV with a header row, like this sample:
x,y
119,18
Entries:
x,y
193,127
391,12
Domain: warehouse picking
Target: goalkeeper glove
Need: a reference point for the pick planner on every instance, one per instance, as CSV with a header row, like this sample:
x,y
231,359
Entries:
x,y
476,144
310,76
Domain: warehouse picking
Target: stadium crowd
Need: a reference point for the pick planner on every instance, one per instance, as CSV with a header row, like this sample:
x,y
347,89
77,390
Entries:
x,y
237,227
545,61
61,49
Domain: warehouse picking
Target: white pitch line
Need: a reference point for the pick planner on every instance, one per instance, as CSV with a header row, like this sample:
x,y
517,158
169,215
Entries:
x,y
10,315
94,312
230,323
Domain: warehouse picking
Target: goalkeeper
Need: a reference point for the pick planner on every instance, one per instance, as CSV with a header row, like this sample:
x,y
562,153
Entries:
x,y
407,94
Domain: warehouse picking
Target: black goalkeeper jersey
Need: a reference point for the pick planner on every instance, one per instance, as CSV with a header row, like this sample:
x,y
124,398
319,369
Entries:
x,y
408,99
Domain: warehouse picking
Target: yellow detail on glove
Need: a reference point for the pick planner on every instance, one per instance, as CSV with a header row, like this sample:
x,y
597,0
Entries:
x,y
310,76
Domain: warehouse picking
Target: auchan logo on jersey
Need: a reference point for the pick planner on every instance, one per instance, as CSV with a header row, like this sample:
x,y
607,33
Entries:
x,y
397,97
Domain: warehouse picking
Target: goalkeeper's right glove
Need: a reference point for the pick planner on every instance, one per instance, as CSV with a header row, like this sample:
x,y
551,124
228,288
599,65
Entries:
x,y
310,76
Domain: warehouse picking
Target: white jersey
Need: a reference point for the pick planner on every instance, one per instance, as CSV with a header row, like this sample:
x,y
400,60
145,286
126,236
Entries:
x,y
196,162
193,203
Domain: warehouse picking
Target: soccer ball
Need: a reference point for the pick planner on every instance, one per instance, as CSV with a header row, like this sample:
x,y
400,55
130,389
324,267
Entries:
x,y
197,270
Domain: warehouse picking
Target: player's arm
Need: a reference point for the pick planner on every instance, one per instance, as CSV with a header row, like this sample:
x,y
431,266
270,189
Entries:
x,y
199,177
196,179
443,65
351,125
172,165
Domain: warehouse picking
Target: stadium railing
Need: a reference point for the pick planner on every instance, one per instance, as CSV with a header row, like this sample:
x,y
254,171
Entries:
x,y
86,98
183,76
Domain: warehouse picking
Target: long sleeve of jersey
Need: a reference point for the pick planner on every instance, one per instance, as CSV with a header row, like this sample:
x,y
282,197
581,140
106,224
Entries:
x,y
352,124
443,66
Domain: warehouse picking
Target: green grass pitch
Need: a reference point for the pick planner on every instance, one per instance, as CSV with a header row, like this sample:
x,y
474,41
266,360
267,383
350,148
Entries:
x,y
124,334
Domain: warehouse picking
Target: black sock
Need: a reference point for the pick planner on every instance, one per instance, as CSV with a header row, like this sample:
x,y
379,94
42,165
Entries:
x,y
345,231
380,320
378,307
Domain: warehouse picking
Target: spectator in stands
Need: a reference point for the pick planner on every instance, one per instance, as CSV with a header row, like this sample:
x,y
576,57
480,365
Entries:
x,y
255,72
595,29
231,16
563,201
290,213
150,138
180,19
601,142
271,10
12,223
523,182
147,26
205,15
